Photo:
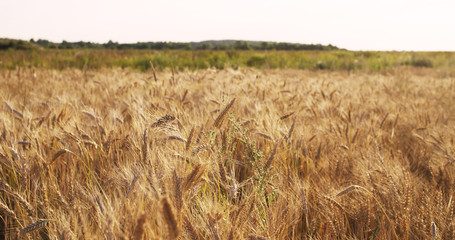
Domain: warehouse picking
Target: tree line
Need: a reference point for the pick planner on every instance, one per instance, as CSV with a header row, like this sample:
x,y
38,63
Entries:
x,y
205,45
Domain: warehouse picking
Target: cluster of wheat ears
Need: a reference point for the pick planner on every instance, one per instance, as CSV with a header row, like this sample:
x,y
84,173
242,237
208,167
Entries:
x,y
226,154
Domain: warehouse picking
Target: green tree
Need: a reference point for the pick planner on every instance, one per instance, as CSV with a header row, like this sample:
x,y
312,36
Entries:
x,y
242,45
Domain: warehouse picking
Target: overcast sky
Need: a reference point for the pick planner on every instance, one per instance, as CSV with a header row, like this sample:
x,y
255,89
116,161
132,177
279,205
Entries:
x,y
352,24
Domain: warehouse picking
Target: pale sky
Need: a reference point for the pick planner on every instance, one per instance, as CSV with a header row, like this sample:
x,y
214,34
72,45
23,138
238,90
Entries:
x,y
353,24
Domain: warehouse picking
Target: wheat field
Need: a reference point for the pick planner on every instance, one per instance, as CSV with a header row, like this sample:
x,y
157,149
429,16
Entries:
x,y
227,154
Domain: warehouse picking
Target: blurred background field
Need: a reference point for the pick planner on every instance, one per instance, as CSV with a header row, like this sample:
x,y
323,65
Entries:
x,y
220,59
217,55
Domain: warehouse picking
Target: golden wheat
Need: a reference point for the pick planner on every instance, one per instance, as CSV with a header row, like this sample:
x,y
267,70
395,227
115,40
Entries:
x,y
304,155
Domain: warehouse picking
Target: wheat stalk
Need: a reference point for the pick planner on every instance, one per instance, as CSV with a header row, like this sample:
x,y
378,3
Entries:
x,y
165,119
264,136
7,188
188,140
10,109
133,183
6,211
90,115
19,114
14,153
434,230
193,178
144,146
291,130
170,219
221,116
254,237
59,153
153,70
286,116
351,188
190,229
177,137
25,143
200,148
304,202
184,96
139,230
199,135
34,226
271,157
177,191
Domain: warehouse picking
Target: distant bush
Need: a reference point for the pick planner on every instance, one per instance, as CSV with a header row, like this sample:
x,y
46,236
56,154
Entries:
x,y
419,61
218,61
6,44
320,65
256,61
142,64
232,54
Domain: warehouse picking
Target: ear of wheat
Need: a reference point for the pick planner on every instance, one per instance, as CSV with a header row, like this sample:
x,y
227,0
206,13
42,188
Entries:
x,y
222,114
170,219
351,188
188,140
194,177
190,229
163,120
34,226
286,116
6,211
139,230
59,153
7,188
200,148
291,130
271,157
